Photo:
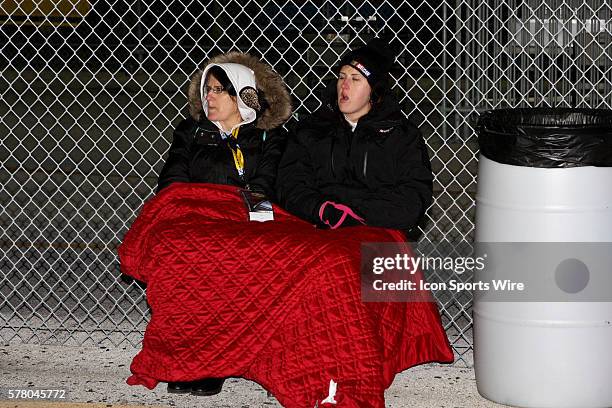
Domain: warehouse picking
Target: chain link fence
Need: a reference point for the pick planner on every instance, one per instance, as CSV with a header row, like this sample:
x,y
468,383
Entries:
x,y
91,91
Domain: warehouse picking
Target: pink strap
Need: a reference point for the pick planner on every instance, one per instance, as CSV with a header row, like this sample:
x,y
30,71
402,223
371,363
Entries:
x,y
349,211
322,209
346,211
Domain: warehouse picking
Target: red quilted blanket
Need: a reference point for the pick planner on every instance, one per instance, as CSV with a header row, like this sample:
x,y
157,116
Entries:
x,y
276,302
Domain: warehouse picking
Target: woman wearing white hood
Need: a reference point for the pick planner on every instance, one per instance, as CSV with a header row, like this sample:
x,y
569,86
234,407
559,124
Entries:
x,y
233,136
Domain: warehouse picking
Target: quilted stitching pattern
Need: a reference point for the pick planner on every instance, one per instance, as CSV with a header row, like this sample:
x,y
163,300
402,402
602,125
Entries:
x,y
276,302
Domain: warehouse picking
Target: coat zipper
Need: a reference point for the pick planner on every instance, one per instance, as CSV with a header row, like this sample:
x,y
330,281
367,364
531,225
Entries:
x,y
333,142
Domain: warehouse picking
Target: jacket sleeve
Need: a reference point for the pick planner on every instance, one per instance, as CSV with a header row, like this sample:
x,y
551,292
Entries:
x,y
176,167
296,190
267,166
401,205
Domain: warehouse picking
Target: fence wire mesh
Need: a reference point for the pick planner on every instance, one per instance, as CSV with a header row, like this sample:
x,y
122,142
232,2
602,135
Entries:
x,y
91,91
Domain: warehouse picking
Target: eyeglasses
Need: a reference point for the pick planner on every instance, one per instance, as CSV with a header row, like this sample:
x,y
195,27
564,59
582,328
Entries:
x,y
215,89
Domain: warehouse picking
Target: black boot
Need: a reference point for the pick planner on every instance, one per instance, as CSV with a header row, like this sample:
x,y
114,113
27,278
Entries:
x,y
183,387
207,386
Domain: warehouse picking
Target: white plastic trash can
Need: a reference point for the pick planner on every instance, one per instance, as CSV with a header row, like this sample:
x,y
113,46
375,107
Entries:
x,y
545,175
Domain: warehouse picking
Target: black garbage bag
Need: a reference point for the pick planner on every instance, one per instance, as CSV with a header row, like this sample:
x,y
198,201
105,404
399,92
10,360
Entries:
x,y
547,137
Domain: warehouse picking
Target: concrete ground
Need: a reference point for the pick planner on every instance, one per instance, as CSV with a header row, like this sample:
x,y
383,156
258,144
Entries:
x,y
95,377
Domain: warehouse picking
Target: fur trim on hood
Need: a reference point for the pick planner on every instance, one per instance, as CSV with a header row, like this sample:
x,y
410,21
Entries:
x,y
268,81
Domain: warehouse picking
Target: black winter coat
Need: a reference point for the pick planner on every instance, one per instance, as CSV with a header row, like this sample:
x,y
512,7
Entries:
x,y
198,154
381,170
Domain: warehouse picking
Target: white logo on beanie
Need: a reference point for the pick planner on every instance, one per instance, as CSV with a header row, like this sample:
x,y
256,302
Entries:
x,y
361,68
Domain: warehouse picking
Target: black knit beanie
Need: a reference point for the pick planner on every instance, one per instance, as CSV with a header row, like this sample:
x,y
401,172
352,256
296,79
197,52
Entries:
x,y
374,60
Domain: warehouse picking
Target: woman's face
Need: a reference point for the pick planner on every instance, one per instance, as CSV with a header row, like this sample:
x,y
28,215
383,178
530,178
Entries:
x,y
353,93
222,107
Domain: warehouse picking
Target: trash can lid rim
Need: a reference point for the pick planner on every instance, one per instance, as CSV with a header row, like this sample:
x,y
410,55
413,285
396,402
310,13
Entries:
x,y
548,117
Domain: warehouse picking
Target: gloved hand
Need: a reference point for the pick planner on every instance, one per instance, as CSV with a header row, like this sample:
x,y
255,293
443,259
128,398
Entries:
x,y
338,215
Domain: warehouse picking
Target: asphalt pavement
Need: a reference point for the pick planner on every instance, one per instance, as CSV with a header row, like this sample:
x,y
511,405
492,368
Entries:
x,y
95,377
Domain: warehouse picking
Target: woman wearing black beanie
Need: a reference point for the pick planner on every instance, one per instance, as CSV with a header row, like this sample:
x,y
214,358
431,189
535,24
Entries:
x,y
358,160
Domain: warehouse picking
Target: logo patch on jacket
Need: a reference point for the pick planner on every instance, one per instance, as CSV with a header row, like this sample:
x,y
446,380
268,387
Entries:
x,y
207,138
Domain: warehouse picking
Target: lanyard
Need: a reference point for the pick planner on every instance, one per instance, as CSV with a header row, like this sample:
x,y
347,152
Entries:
x,y
236,152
